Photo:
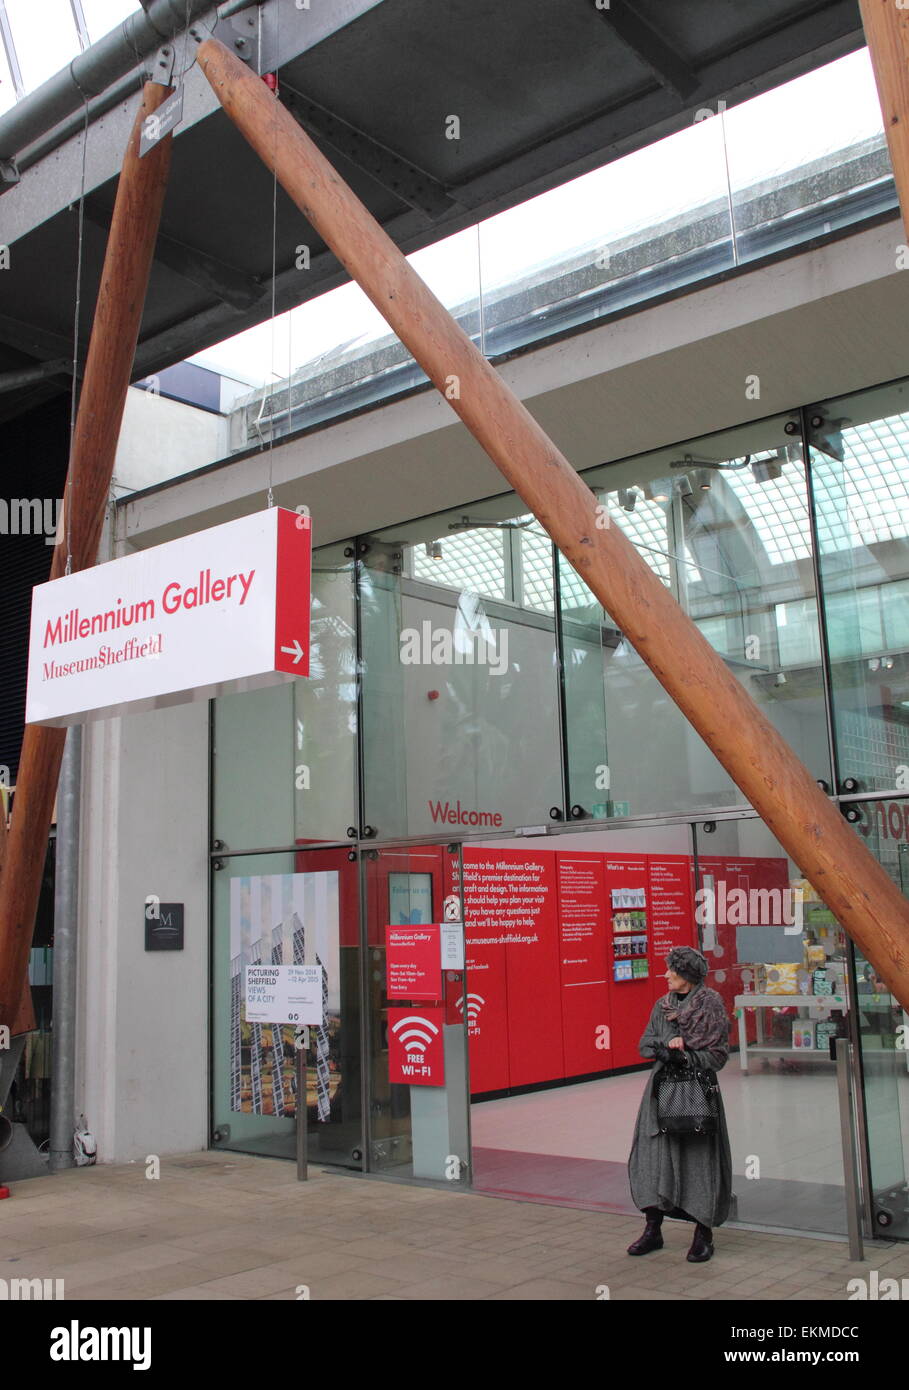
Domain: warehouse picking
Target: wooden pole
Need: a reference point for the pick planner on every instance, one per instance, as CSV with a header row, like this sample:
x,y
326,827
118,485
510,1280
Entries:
x,y
778,786
887,33
24,1020
112,347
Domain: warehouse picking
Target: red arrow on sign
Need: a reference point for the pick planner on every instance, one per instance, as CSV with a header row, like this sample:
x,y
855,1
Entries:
x,y
292,595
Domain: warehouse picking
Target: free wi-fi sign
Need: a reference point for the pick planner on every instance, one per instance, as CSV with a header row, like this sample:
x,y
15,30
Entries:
x,y
416,1047
473,1004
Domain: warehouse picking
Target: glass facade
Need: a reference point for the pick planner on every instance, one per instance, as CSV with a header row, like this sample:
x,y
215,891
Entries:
x,y
468,690
861,494
724,522
460,675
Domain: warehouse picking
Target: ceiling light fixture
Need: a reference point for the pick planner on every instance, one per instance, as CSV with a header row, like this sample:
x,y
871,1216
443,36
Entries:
x,y
465,524
766,470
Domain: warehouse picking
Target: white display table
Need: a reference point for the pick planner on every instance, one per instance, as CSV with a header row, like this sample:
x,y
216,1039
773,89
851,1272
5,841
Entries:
x,y
823,1004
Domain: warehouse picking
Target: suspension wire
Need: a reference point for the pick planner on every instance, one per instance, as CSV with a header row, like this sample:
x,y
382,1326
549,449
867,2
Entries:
x,y
480,292
274,267
274,256
70,483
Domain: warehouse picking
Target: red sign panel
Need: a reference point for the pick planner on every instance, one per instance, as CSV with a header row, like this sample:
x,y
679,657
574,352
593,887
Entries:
x,y
627,896
485,1001
586,1032
671,884
416,1047
292,601
414,962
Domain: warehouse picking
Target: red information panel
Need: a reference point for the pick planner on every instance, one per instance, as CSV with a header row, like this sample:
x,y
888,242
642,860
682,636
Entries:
x,y
627,898
413,962
513,997
586,1027
522,887
671,884
485,999
416,1047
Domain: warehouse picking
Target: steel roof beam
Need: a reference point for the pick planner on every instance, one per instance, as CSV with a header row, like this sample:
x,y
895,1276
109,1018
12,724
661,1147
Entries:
x,y
28,376
664,62
232,286
402,179
36,342
91,72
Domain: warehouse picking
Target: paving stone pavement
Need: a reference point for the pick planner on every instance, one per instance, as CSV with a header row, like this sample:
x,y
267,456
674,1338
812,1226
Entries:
x,y
236,1227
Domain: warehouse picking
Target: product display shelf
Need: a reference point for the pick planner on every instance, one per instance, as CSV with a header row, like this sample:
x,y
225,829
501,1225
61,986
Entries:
x,y
825,1003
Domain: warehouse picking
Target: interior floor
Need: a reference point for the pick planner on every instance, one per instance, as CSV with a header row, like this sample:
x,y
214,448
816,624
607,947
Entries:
x,y
571,1145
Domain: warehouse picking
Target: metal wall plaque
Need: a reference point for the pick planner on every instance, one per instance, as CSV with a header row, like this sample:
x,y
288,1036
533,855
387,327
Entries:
x,y
164,932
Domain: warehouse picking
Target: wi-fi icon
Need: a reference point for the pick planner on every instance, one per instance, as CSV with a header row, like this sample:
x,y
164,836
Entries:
x,y
475,1003
419,1032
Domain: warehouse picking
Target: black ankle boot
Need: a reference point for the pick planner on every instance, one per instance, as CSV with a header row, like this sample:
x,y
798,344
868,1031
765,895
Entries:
x,y
701,1245
651,1239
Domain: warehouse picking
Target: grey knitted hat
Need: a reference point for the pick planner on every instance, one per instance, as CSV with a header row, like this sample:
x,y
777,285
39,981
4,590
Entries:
x,y
688,963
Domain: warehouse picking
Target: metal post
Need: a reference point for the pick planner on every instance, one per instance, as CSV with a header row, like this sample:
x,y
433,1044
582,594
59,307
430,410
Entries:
x,y
66,918
847,1134
302,1154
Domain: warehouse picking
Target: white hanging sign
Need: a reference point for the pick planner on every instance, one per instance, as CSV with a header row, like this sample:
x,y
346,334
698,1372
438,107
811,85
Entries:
x,y
223,609
159,123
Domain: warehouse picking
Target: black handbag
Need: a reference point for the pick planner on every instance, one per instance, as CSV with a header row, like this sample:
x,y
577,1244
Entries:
x,y
687,1100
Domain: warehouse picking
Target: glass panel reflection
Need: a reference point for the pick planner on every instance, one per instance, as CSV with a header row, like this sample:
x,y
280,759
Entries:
x,y
724,523
861,491
460,680
284,769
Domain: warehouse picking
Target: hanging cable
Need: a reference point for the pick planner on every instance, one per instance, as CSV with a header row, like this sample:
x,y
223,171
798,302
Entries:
x,y
274,260
274,266
77,309
480,292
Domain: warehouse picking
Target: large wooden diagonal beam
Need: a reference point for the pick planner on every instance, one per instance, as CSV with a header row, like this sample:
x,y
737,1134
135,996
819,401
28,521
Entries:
x,y
780,788
112,347
887,32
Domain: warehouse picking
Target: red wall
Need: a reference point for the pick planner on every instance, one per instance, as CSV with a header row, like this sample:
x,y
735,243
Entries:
x,y
586,967
542,999
540,960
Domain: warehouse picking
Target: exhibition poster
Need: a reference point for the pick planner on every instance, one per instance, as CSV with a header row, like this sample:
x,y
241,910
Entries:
x,y
284,919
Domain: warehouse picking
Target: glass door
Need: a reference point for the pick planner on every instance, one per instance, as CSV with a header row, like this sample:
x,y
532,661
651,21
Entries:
x,y
417,1011
781,962
294,908
860,486
883,1028
566,938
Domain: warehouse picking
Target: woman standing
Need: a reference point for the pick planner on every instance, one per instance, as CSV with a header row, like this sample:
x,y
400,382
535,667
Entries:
x,y
687,1176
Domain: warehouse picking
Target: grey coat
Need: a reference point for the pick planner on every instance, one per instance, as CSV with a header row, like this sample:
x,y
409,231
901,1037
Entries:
x,y
691,1173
